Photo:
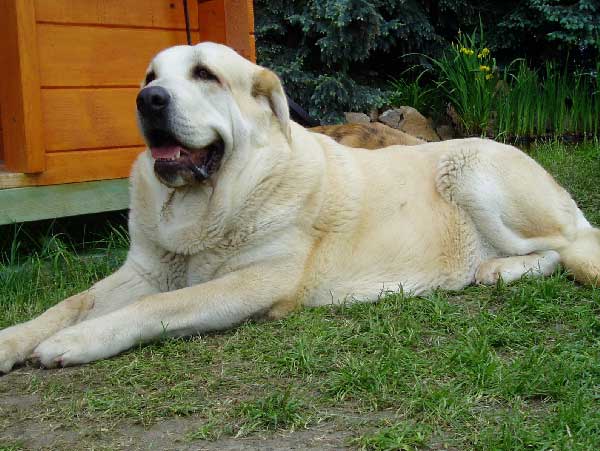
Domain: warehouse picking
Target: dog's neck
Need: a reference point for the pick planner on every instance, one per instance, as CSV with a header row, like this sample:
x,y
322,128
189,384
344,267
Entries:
x,y
269,186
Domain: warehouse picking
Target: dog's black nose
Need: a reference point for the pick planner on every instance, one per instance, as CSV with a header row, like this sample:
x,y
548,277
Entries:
x,y
152,100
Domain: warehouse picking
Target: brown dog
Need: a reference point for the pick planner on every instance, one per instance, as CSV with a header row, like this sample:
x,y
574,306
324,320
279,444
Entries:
x,y
367,136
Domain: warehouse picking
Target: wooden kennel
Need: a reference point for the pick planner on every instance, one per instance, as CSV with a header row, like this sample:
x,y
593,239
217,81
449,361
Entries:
x,y
71,72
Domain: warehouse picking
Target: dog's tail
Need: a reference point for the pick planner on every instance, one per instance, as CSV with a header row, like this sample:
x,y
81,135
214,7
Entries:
x,y
582,256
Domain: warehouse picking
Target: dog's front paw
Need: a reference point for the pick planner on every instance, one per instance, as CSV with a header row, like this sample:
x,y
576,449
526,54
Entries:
x,y
16,343
72,346
9,354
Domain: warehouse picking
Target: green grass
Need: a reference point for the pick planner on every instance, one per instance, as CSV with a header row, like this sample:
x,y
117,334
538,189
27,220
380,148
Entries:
x,y
399,437
509,367
10,447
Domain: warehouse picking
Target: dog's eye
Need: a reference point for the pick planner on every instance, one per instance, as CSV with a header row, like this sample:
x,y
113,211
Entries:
x,y
200,72
150,77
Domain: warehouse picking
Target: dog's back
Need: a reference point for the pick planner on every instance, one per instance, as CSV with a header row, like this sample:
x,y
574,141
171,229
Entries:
x,y
367,136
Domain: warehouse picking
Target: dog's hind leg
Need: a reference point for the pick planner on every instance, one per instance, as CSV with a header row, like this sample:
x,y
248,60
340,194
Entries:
x,y
510,269
520,212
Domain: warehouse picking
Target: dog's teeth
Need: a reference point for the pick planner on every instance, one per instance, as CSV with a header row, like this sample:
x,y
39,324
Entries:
x,y
178,154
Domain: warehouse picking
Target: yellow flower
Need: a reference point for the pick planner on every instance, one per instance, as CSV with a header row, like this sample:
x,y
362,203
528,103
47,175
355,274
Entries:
x,y
466,51
488,76
485,52
484,68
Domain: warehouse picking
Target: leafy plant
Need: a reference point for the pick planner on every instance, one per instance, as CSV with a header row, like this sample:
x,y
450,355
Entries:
x,y
467,76
415,93
517,101
555,103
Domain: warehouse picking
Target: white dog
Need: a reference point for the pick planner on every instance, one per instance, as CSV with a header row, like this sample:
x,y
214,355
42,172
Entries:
x,y
236,212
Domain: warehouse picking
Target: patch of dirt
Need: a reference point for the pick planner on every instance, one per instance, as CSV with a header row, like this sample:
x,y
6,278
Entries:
x,y
325,437
167,435
24,420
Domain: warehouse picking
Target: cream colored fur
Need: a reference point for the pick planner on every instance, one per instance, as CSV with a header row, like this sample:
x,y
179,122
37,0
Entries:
x,y
293,219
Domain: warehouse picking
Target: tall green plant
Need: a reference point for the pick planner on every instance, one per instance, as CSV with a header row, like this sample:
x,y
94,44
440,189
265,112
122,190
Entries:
x,y
466,74
554,103
519,106
415,93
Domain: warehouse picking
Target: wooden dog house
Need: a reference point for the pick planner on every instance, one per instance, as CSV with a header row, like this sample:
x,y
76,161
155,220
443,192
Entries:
x,y
71,72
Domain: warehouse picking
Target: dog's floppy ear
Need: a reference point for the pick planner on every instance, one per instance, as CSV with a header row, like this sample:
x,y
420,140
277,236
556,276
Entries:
x,y
267,84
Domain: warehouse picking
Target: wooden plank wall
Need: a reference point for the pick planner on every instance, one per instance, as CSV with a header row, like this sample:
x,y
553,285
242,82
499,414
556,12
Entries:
x,y
20,87
93,56
239,26
1,146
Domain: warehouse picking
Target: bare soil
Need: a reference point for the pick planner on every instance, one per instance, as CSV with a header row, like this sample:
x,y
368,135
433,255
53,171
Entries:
x,y
25,424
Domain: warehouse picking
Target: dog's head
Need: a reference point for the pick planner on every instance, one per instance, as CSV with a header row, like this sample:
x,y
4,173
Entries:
x,y
199,105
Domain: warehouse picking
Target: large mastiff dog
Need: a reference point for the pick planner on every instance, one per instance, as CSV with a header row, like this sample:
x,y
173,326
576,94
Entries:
x,y
238,212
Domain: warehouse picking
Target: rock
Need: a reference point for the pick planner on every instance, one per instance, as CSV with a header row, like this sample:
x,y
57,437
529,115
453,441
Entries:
x,y
374,114
445,132
357,118
391,118
408,120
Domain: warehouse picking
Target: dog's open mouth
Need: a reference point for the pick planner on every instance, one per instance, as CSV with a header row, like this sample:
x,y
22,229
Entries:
x,y
172,158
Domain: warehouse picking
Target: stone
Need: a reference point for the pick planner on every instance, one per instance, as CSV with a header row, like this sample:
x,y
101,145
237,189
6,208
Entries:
x,y
374,114
357,118
408,120
391,118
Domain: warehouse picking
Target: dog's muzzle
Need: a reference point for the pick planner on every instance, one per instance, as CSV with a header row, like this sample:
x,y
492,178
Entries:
x,y
175,161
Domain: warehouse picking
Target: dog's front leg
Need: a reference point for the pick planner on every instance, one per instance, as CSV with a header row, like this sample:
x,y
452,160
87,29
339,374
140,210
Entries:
x,y
214,305
124,286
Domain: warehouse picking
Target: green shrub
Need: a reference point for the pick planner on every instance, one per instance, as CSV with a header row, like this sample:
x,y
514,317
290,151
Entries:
x,y
542,29
336,55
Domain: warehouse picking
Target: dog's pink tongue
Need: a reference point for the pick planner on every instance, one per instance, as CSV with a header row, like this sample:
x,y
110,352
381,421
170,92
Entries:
x,y
165,151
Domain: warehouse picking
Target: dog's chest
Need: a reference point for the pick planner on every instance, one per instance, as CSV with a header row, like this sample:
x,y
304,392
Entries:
x,y
205,266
